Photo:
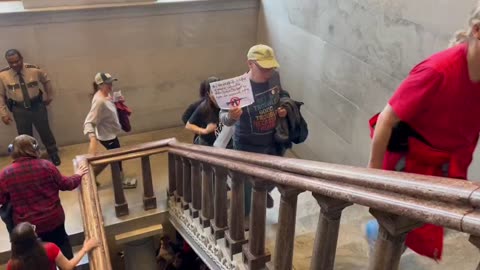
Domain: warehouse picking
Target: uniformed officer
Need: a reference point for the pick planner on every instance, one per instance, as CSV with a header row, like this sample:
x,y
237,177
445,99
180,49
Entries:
x,y
26,90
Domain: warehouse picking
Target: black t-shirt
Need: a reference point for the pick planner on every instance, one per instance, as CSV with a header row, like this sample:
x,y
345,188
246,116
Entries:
x,y
191,108
258,121
206,113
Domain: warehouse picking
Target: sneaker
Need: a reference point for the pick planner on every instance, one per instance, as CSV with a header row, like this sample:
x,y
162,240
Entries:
x,y
55,159
129,183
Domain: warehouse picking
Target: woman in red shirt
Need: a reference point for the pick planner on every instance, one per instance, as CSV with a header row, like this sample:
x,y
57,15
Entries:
x,y
31,185
430,126
28,252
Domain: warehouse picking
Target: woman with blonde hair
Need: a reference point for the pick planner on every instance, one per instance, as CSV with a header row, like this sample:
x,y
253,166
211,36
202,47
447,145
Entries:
x,y
430,125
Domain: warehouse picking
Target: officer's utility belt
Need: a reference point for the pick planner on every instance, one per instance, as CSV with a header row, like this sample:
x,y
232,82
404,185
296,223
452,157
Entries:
x,y
33,101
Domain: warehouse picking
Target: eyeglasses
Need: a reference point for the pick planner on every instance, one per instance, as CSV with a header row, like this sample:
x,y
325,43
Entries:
x,y
262,68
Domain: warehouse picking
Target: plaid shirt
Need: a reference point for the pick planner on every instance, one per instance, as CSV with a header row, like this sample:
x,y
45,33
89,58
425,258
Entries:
x,y
32,186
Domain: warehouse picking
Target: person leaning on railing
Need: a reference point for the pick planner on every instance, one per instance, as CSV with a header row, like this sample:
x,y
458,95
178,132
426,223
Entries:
x,y
430,125
31,185
29,252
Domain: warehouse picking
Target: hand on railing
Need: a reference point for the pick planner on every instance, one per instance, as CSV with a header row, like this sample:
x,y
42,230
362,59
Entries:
x,y
81,170
65,263
90,244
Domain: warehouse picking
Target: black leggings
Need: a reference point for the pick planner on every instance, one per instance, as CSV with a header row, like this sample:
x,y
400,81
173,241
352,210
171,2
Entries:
x,y
112,144
60,238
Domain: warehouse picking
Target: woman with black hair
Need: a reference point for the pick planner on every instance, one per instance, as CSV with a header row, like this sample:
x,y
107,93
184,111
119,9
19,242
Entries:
x,y
203,93
204,121
29,252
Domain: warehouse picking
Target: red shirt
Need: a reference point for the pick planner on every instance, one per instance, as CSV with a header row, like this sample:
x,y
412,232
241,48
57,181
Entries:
x,y
441,103
52,253
33,186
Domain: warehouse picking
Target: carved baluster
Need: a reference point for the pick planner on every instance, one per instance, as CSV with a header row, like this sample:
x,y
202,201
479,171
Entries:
x,y
179,178
391,239
196,184
172,184
475,240
220,223
149,199
207,195
235,235
325,245
121,206
286,229
187,184
254,253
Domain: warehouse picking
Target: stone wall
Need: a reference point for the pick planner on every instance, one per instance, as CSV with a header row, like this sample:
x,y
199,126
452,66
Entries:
x,y
160,53
344,59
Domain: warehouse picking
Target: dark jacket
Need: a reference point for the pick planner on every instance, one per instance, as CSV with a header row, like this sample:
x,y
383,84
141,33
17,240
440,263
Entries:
x,y
293,128
124,113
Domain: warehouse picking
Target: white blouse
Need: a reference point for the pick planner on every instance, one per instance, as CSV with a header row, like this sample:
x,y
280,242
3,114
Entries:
x,y
102,120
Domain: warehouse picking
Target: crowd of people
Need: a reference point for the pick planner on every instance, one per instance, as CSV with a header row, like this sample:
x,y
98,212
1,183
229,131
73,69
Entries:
x,y
428,127
29,187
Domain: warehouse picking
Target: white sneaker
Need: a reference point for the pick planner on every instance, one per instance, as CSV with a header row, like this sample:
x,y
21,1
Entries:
x,y
129,183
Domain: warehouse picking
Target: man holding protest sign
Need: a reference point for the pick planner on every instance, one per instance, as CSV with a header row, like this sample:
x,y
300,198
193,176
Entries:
x,y
255,120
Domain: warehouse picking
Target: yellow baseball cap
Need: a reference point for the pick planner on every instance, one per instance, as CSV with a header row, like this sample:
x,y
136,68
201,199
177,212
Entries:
x,y
264,56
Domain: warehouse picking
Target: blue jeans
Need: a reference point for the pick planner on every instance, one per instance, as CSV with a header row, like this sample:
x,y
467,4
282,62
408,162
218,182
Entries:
x,y
269,150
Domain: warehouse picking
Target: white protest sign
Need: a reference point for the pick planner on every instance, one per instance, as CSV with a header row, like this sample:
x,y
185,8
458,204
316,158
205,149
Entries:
x,y
233,92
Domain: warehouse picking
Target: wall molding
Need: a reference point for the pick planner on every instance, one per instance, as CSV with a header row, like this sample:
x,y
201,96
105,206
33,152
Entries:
x,y
112,11
29,4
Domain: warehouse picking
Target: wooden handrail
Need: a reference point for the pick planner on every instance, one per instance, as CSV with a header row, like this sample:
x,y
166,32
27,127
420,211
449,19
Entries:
x,y
127,156
93,223
399,201
403,200
425,210
132,149
428,187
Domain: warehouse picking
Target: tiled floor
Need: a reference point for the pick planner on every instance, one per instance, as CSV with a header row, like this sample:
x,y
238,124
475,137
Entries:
x,y
352,247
